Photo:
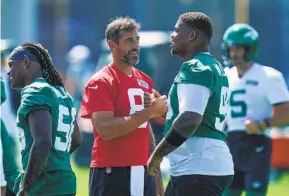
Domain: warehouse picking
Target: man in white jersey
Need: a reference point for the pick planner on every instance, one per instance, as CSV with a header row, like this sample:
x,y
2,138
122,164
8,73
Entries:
x,y
258,100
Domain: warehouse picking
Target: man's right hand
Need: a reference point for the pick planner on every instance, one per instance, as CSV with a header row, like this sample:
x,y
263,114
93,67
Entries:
x,y
158,106
149,97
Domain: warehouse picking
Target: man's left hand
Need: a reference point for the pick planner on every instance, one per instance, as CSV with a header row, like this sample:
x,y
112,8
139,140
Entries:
x,y
153,164
252,127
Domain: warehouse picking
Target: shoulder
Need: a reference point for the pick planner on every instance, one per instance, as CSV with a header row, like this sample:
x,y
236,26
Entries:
x,y
104,76
141,75
37,93
196,64
196,68
267,74
37,87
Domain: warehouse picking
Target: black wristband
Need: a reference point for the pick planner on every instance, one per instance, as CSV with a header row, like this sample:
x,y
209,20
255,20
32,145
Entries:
x,y
174,138
267,123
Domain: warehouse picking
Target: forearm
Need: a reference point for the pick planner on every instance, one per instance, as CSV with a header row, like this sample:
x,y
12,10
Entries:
x,y
152,142
183,127
36,165
117,127
279,119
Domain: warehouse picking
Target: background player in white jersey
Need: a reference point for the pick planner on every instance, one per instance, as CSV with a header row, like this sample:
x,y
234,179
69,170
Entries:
x,y
259,99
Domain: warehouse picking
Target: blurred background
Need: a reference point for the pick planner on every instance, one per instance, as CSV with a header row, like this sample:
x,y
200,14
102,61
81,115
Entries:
x,y
73,32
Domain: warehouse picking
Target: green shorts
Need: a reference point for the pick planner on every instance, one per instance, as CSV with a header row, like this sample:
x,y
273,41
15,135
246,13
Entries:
x,y
51,183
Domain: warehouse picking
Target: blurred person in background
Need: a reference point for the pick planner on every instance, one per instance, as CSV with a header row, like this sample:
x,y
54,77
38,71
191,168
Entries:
x,y
46,122
113,100
9,131
201,163
259,100
80,69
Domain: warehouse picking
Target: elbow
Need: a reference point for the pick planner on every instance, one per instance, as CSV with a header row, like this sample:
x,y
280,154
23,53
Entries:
x,y
78,142
105,136
43,147
193,119
198,121
103,132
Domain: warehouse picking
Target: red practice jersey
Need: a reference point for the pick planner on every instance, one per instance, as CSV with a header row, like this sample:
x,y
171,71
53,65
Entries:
x,y
112,90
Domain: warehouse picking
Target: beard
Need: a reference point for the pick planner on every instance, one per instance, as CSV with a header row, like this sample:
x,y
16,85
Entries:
x,y
173,52
131,58
237,61
177,51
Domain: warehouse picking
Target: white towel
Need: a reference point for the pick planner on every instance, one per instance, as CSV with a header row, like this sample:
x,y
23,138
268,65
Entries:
x,y
137,180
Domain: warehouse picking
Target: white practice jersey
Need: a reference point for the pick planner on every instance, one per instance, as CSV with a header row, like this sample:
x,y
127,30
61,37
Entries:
x,y
254,94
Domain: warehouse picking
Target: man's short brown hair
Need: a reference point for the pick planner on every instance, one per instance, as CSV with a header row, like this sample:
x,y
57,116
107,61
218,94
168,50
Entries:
x,y
199,21
114,28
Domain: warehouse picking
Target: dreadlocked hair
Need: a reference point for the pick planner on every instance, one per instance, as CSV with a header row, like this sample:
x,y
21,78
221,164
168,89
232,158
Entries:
x,y
48,70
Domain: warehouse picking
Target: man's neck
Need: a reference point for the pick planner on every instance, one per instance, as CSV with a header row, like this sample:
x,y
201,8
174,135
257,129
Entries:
x,y
243,68
190,54
33,77
125,68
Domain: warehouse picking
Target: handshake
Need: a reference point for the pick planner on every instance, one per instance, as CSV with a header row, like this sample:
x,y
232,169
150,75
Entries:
x,y
155,103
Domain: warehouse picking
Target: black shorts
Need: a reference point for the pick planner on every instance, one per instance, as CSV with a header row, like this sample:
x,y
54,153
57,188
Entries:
x,y
198,185
116,182
252,161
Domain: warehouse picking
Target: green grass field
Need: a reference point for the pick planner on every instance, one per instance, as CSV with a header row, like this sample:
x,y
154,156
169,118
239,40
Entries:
x,y
277,189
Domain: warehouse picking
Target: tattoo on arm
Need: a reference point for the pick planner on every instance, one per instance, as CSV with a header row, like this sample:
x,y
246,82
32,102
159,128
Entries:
x,y
164,148
40,124
185,125
36,165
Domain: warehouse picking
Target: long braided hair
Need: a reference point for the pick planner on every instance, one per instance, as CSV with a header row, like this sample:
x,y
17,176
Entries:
x,y
48,70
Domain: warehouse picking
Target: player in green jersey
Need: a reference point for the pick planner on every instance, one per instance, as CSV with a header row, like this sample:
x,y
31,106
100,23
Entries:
x,y
46,122
194,140
3,183
11,163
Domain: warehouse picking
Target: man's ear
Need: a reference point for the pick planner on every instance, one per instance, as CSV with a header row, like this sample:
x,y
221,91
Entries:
x,y
111,44
27,62
193,35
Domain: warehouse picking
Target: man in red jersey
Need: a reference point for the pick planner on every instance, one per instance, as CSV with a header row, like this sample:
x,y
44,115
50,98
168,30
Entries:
x,y
113,100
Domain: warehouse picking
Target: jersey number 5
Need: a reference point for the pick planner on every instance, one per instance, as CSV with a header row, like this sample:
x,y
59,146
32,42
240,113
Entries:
x,y
133,93
237,105
63,143
220,120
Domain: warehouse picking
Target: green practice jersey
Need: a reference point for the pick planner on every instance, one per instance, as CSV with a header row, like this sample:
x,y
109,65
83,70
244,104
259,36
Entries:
x,y
3,92
203,69
11,163
40,95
